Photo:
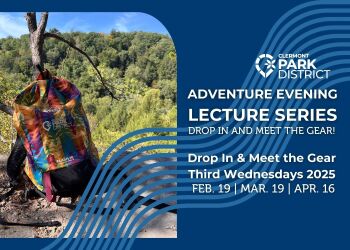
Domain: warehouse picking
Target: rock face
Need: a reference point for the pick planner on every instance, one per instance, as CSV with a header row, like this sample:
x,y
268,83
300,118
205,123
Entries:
x,y
38,210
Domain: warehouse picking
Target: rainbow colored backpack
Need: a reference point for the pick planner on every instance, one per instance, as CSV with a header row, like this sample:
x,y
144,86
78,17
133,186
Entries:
x,y
50,119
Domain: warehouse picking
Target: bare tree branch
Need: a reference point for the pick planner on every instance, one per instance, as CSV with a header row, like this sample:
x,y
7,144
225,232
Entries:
x,y
56,36
42,23
31,21
4,108
37,37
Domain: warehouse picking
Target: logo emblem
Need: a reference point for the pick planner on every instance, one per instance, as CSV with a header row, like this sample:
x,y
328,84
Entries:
x,y
47,125
270,65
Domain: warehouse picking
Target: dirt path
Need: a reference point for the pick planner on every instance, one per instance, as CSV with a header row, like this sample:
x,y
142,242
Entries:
x,y
38,210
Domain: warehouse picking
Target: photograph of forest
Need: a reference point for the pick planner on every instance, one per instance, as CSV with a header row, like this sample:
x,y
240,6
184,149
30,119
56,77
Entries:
x,y
96,77
139,67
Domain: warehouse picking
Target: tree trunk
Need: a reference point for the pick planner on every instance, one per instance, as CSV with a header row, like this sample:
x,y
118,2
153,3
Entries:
x,y
36,35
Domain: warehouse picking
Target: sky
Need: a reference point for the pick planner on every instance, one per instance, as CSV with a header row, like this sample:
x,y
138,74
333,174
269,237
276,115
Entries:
x,y
14,24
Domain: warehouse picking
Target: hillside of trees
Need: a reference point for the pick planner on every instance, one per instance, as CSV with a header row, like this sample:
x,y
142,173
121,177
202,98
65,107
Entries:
x,y
139,67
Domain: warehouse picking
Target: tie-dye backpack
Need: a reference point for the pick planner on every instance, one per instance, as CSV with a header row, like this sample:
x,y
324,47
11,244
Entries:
x,y
49,117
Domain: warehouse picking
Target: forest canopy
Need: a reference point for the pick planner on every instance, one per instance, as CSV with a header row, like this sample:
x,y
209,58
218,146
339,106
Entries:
x,y
139,67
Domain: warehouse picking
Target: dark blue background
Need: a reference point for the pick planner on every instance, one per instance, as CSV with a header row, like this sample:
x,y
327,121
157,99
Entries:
x,y
217,42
